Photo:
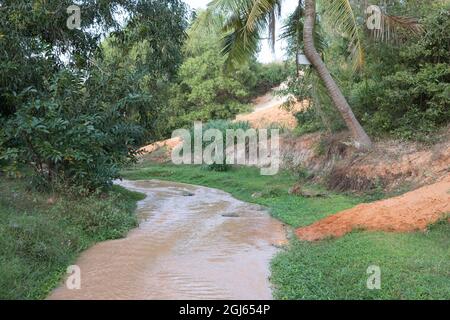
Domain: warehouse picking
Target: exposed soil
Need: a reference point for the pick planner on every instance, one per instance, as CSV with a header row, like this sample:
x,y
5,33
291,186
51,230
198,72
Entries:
x,y
269,111
391,165
413,211
169,143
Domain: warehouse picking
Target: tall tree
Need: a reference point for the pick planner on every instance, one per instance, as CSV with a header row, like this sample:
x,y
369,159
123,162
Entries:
x,y
68,109
247,19
361,138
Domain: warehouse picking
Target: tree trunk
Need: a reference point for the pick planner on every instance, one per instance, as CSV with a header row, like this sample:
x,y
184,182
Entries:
x,y
362,140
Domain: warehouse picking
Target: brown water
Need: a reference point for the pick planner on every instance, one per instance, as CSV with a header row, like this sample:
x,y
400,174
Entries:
x,y
186,247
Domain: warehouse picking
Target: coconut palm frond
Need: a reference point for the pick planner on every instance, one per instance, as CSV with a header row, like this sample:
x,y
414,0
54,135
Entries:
x,y
267,11
293,28
407,23
342,16
259,9
292,31
238,43
208,21
391,25
246,20
226,6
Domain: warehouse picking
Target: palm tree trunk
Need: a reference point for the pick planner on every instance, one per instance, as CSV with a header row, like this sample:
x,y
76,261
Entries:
x,y
362,140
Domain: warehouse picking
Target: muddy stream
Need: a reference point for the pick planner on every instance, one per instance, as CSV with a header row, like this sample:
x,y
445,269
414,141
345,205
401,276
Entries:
x,y
192,243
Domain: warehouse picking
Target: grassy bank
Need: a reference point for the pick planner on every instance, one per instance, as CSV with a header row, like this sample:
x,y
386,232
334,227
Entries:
x,y
248,185
413,266
41,234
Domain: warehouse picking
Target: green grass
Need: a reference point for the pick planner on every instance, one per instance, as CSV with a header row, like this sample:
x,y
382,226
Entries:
x,y
243,182
413,265
39,240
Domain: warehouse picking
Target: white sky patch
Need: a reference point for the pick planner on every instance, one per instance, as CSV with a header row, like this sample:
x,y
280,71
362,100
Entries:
x,y
265,55
197,4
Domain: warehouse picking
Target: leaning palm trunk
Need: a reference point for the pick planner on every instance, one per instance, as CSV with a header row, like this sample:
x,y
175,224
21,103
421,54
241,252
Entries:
x,y
362,140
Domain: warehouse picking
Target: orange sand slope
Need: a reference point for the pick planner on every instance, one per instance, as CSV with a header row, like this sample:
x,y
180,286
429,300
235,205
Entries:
x,y
413,211
275,114
169,143
267,111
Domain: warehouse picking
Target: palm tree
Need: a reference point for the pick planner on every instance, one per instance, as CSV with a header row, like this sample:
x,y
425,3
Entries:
x,y
362,140
247,19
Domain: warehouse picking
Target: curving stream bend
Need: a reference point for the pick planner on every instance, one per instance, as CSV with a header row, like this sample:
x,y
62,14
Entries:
x,y
192,243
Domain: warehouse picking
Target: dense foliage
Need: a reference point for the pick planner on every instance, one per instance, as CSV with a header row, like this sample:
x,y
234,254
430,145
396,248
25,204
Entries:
x,y
76,104
402,89
222,126
69,138
75,110
411,97
208,89
142,60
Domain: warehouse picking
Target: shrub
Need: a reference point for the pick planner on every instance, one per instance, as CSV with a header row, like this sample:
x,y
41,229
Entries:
x,y
412,100
268,76
320,114
70,139
222,126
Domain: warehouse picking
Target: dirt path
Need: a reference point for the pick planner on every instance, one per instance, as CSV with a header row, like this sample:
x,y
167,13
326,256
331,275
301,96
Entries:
x,y
267,111
192,243
413,211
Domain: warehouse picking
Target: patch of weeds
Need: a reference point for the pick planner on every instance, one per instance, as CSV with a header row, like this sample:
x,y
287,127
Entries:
x,y
39,239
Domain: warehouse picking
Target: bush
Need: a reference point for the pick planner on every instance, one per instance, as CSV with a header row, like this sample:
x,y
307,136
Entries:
x,y
69,139
320,114
269,76
308,121
222,126
413,99
420,100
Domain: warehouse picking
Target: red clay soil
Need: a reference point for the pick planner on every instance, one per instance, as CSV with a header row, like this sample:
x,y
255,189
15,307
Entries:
x,y
169,143
268,110
276,114
413,211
